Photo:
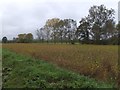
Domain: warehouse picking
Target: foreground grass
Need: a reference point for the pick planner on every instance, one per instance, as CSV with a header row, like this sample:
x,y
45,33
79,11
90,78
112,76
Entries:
x,y
21,71
96,61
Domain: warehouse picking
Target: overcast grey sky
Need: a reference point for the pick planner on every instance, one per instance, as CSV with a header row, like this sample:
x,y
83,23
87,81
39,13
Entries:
x,y
25,16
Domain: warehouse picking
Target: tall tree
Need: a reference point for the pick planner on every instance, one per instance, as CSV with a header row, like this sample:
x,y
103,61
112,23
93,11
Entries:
x,y
70,26
60,26
117,34
98,25
47,30
108,29
40,34
82,32
53,24
100,16
29,37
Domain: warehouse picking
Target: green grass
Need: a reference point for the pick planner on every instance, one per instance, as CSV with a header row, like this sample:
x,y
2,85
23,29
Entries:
x,y
22,71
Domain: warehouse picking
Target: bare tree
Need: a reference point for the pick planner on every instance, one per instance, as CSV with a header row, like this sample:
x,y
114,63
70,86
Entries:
x,y
40,34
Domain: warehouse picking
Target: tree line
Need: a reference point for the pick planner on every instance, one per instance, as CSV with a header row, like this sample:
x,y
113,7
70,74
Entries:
x,y
98,27
22,38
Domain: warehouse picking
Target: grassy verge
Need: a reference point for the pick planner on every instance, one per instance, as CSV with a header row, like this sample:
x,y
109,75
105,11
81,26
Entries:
x,y
21,72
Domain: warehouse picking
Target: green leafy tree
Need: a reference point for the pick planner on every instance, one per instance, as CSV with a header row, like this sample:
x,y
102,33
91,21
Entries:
x,y
117,34
25,38
21,38
82,32
4,40
98,25
29,37
100,17
70,27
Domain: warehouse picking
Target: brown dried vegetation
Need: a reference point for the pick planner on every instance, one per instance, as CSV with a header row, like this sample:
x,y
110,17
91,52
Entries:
x,y
100,62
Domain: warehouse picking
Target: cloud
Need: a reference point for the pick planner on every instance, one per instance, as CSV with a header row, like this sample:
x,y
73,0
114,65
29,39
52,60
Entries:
x,y
24,16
